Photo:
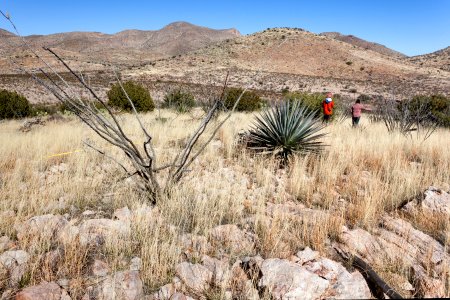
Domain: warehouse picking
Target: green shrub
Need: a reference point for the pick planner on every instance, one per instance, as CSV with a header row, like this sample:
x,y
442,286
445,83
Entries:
x,y
138,94
46,109
437,107
179,100
312,101
364,98
250,100
13,105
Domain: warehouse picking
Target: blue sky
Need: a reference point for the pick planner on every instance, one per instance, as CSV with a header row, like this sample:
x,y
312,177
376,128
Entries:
x,y
412,27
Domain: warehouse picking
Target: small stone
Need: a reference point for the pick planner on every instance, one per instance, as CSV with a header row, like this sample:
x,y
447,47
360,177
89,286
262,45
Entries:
x,y
306,255
136,264
195,276
100,268
122,214
63,283
5,243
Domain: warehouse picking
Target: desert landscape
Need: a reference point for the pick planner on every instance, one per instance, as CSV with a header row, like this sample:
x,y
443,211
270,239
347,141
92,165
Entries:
x,y
140,176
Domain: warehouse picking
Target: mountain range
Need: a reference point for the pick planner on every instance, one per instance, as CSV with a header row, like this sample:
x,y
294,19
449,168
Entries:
x,y
268,60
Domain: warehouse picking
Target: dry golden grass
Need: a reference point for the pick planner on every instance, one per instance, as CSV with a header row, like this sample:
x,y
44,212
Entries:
x,y
361,175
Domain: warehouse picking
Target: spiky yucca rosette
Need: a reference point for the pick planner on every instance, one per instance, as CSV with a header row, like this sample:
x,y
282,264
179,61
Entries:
x,y
286,129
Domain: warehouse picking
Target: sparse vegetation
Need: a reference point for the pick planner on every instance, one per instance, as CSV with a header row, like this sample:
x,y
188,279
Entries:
x,y
13,105
250,100
138,94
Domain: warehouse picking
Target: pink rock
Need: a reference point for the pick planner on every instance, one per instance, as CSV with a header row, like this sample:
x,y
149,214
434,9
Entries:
x,y
43,291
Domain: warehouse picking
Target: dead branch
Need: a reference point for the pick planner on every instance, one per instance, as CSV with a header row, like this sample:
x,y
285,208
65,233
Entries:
x,y
377,285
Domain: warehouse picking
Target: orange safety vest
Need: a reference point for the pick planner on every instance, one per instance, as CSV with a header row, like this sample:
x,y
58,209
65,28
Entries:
x,y
327,108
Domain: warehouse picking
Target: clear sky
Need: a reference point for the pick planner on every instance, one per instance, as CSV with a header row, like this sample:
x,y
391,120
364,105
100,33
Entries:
x,y
410,26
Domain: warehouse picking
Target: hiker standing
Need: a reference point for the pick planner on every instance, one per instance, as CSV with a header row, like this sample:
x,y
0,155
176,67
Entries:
x,y
356,112
327,106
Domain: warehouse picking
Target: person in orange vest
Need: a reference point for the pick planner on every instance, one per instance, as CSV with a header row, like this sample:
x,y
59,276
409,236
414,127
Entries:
x,y
327,107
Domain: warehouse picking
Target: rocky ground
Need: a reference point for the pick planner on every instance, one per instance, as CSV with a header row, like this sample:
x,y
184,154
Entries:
x,y
225,264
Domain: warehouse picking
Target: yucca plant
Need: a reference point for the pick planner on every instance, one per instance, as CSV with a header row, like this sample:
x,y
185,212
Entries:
x,y
285,129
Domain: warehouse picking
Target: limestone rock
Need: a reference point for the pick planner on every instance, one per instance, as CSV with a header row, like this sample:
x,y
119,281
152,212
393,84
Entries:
x,y
43,291
122,214
180,296
287,280
399,241
434,201
100,268
306,255
195,277
42,227
343,284
5,243
218,268
169,291
135,264
195,244
231,237
125,285
95,231
13,265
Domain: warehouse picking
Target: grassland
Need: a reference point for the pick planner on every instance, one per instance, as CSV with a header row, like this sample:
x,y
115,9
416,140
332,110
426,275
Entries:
x,y
363,174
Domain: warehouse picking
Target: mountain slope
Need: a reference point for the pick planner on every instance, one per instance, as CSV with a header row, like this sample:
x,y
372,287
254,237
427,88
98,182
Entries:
x,y
356,41
439,59
5,33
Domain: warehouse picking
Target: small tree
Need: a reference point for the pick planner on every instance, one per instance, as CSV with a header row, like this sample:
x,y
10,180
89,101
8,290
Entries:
x,y
138,94
13,105
250,101
179,100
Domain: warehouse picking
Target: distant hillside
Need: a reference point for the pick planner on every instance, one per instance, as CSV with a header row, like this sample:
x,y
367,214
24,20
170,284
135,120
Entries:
x,y
268,61
439,59
127,47
356,41
280,58
5,33
295,51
